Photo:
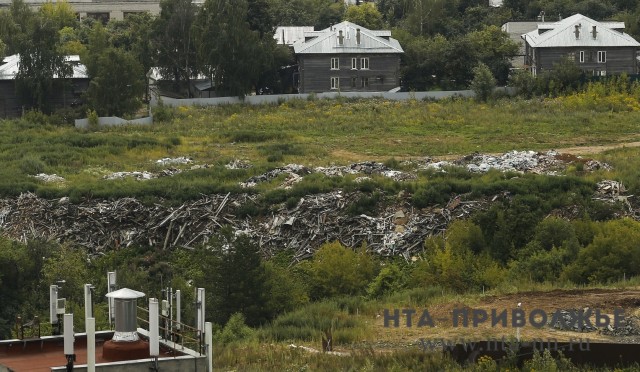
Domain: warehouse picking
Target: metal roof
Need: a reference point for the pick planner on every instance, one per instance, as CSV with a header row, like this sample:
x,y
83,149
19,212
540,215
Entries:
x,y
11,64
562,34
125,294
326,41
289,35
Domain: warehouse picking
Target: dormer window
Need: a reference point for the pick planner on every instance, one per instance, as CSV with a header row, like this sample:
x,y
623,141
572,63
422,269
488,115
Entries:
x,y
594,32
340,38
577,31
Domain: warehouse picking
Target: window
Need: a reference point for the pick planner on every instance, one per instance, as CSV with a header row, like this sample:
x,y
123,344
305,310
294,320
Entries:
x,y
571,56
335,63
354,63
364,63
582,56
599,73
335,83
365,82
354,82
602,57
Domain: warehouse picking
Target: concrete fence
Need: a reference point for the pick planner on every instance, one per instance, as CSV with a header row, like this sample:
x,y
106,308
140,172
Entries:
x,y
113,121
273,99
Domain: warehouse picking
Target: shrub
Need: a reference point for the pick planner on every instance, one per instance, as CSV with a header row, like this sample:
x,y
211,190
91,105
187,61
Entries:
x,y
234,330
93,118
31,165
483,82
35,117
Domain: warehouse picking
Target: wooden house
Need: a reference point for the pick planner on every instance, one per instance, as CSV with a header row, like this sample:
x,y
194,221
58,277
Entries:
x,y
348,58
598,48
66,92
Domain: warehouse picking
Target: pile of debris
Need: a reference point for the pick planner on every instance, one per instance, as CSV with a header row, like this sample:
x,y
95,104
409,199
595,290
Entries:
x,y
238,164
140,176
295,171
49,178
549,163
368,168
103,225
629,326
572,320
169,161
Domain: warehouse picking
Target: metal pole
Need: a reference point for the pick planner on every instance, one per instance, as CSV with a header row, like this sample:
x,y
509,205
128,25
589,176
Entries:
x,y
88,303
154,332
91,344
68,341
209,345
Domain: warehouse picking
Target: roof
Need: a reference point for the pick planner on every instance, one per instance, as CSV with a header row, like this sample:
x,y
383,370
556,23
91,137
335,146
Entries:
x,y
326,41
517,29
125,294
288,35
11,64
562,34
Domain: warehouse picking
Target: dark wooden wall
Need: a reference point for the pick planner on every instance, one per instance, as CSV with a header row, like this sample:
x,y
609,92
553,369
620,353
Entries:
x,y
315,72
619,59
64,94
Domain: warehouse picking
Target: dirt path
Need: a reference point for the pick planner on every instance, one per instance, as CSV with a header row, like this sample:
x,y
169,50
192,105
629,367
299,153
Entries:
x,y
590,150
349,156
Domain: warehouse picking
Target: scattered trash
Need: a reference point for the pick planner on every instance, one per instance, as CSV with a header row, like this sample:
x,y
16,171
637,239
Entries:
x,y
49,177
572,320
629,326
290,169
238,164
140,176
179,160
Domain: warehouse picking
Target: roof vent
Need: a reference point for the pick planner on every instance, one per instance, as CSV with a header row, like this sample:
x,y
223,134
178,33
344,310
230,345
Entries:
x,y
577,31
594,32
126,318
541,16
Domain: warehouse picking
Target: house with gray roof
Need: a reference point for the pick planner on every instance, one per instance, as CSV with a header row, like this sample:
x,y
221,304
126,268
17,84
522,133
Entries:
x,y
349,58
598,48
67,92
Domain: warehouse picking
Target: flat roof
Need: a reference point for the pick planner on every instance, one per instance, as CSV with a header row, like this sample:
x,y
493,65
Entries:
x,y
42,354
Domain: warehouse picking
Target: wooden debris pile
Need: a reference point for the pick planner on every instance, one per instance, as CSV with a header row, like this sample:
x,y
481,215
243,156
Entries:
x,y
399,229
104,225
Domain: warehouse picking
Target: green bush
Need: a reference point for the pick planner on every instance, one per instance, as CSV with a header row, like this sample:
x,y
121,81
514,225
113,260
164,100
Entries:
x,y
31,165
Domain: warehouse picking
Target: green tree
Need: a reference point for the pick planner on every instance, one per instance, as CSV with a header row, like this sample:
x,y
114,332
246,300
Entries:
x,y
524,82
117,83
237,280
338,270
495,49
41,61
614,253
228,51
173,40
365,15
423,16
483,82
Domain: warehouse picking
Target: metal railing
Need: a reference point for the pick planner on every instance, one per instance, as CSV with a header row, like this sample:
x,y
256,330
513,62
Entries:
x,y
177,332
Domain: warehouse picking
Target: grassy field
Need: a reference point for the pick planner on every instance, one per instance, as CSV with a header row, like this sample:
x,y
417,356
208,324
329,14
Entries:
x,y
317,132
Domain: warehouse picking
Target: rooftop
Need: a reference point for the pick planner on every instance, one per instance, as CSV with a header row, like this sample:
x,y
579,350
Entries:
x,y
577,30
47,354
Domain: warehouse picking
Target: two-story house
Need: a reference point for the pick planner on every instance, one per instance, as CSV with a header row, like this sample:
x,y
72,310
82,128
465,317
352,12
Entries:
x,y
348,58
598,48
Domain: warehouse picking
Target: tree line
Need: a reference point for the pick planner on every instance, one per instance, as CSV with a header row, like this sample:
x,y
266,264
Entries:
x,y
231,42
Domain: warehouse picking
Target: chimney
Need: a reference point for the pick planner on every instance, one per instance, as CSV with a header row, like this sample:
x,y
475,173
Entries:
x,y
125,339
577,31
340,38
594,32
358,36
